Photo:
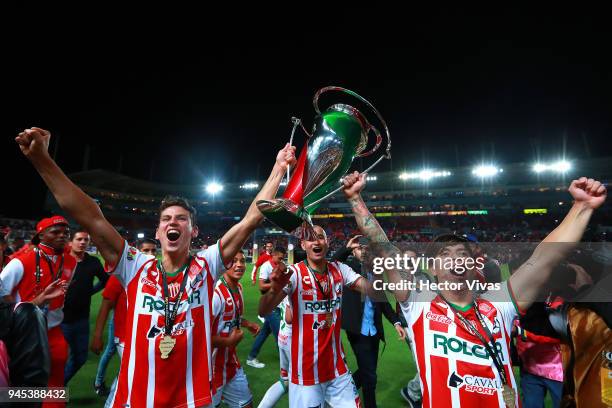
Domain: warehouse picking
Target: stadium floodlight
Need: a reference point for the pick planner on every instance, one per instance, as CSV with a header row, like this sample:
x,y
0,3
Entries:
x,y
371,178
214,188
539,167
140,235
486,170
249,186
560,166
424,175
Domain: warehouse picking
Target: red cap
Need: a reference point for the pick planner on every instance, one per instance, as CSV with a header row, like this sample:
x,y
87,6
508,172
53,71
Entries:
x,y
49,222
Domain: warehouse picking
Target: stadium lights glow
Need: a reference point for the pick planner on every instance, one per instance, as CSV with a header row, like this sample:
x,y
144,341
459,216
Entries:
x,y
424,175
486,170
140,235
371,178
560,166
213,188
249,186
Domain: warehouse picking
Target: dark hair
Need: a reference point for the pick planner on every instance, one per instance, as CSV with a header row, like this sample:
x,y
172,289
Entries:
x,y
80,230
171,201
279,250
143,241
445,240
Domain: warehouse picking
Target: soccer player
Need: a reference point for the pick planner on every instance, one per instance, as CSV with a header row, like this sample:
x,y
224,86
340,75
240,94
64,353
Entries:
x,y
167,356
263,257
319,373
31,271
229,381
273,320
461,338
280,388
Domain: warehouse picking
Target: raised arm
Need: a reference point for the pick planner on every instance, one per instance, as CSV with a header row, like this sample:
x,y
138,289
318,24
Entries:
x,y
34,144
353,185
234,239
533,275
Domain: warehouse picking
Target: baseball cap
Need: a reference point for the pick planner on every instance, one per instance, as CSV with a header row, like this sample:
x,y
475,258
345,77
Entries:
x,y
49,222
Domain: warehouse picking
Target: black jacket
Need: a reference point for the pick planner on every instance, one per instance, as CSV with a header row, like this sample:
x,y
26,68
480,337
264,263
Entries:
x,y
352,302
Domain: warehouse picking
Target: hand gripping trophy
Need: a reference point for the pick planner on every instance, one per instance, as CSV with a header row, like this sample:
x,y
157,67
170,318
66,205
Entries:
x,y
340,134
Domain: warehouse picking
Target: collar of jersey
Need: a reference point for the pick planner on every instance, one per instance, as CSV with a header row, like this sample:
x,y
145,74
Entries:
x,y
175,273
460,308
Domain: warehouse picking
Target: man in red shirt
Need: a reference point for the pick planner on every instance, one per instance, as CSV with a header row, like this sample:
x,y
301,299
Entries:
x,y
29,273
263,257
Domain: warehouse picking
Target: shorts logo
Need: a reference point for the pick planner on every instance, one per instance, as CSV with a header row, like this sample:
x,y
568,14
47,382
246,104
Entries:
x,y
471,383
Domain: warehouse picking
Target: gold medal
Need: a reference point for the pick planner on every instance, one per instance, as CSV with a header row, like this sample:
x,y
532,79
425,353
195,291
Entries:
x,y
508,395
166,345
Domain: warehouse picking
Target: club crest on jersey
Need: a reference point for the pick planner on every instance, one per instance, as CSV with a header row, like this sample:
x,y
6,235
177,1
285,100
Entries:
x,y
173,288
471,383
306,280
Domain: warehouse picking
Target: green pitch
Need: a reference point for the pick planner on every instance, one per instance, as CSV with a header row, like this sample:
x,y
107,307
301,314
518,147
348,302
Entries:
x,y
395,365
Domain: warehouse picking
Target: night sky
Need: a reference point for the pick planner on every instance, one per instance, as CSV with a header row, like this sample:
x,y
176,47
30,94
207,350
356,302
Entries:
x,y
455,89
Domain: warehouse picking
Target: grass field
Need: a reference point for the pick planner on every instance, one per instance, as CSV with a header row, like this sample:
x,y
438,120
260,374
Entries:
x,y
395,365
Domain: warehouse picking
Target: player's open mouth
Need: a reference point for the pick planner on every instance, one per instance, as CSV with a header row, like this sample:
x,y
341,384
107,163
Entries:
x,y
173,235
456,273
317,249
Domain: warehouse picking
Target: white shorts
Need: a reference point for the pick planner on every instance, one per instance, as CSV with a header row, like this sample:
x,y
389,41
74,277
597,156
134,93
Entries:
x,y
235,393
340,392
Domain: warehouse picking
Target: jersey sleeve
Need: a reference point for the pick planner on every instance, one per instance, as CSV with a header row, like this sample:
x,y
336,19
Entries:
x,y
113,289
292,285
265,270
11,275
349,276
217,305
129,264
213,259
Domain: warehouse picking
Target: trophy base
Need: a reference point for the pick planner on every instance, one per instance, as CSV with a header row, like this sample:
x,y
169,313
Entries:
x,y
287,215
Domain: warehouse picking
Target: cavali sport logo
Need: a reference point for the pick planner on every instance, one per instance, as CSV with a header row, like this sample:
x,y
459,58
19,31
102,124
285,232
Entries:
x,y
472,383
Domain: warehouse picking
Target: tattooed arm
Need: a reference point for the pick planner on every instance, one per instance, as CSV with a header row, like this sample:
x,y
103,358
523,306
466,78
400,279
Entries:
x,y
369,226
353,184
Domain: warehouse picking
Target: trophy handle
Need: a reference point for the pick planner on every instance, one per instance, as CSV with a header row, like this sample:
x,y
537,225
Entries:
x,y
378,142
387,155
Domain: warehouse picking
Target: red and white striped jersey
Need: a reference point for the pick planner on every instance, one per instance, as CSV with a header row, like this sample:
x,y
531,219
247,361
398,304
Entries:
x,y
317,355
184,378
455,368
226,316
